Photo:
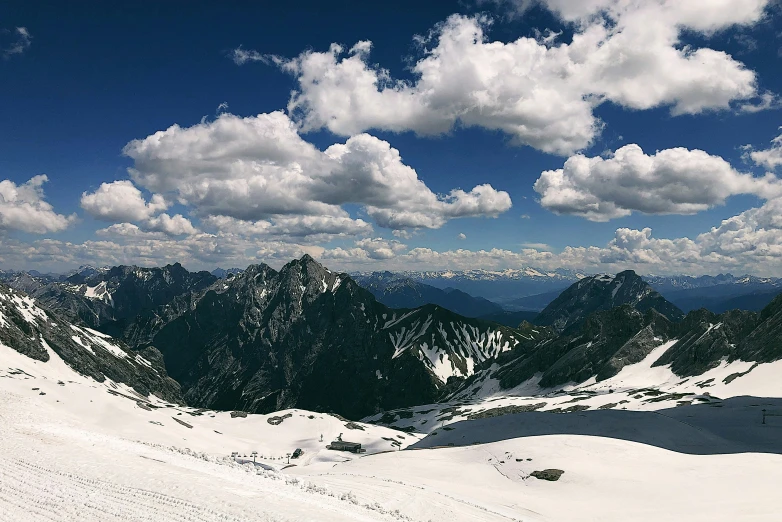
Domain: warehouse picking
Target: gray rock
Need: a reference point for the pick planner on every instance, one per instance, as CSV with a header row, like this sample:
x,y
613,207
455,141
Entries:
x,y
551,475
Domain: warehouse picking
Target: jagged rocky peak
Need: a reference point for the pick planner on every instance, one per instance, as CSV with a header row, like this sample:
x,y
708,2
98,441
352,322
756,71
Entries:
x,y
266,340
603,292
309,276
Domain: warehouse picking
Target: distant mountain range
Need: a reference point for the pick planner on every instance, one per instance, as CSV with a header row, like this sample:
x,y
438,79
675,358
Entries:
x,y
263,340
398,291
531,289
718,293
105,298
498,286
222,273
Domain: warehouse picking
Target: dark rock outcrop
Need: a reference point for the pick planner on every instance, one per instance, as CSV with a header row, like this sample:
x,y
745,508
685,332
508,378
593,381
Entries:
x,y
551,474
604,292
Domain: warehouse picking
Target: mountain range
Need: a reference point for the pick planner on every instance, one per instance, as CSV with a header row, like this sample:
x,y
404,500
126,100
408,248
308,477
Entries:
x,y
498,286
530,289
577,347
261,340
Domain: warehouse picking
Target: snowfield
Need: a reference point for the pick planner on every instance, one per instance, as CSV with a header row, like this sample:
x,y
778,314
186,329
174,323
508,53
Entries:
x,y
75,449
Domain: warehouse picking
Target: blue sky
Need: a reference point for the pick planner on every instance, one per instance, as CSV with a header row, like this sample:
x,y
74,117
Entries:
x,y
615,82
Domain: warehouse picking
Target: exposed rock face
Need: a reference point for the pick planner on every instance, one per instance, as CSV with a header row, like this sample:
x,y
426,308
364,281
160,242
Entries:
x,y
600,347
310,338
705,338
764,342
39,333
604,292
107,298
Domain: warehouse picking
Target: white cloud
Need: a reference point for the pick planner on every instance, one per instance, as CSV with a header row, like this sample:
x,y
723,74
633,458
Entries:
x,y
540,92
770,158
366,250
379,248
121,201
259,169
300,227
131,230
22,207
129,244
176,225
462,236
750,242
752,237
700,15
537,246
241,56
671,181
15,41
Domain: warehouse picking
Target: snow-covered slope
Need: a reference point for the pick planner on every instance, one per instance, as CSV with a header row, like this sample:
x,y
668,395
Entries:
x,y
94,451
72,448
638,387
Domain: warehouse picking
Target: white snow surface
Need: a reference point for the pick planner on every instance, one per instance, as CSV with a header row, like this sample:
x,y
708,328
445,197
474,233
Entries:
x,y
81,452
100,292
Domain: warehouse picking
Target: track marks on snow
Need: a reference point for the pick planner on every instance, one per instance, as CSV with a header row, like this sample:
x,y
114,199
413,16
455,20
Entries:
x,y
50,495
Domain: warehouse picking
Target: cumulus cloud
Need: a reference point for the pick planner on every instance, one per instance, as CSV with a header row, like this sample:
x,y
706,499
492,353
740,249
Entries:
x,y
750,242
22,207
260,169
770,158
121,201
15,41
753,236
539,91
379,248
671,181
129,244
176,225
462,236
